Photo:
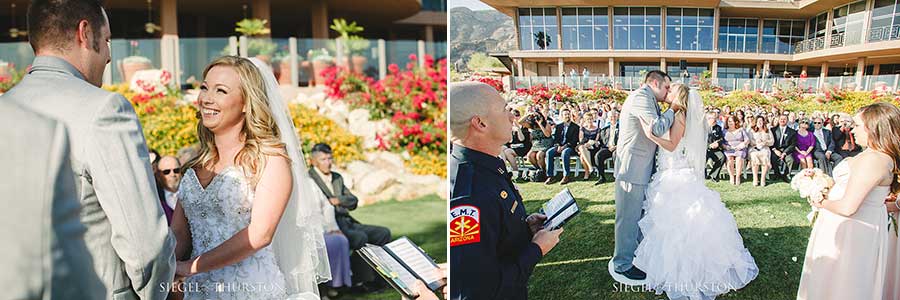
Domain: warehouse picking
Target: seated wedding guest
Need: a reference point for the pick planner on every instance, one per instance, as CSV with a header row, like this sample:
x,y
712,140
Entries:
x,y
541,132
44,254
517,147
760,156
749,122
844,141
824,151
588,142
338,248
783,149
806,143
168,176
847,252
609,136
792,121
496,260
565,139
736,142
332,184
715,150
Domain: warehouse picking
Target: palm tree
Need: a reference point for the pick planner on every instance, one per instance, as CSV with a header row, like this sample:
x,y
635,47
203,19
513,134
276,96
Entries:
x,y
542,40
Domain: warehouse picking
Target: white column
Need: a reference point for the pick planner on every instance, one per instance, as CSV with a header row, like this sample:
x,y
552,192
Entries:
x,y
715,68
561,65
662,64
421,57
612,68
232,45
860,70
292,47
382,59
242,45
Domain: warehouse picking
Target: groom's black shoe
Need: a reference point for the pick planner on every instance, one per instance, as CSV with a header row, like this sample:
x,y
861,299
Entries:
x,y
600,180
634,274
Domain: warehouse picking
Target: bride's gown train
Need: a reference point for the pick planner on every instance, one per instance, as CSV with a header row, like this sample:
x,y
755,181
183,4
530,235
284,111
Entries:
x,y
214,215
691,246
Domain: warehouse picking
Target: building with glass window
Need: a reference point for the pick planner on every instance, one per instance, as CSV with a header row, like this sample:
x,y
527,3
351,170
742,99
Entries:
x,y
733,39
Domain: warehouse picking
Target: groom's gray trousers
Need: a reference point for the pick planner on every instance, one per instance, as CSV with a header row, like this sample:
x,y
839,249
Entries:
x,y
629,199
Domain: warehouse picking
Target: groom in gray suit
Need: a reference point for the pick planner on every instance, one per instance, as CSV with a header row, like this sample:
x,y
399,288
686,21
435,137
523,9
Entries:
x,y
44,256
635,163
131,245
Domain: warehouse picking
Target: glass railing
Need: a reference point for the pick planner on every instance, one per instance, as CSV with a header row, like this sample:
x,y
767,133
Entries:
x,y
369,57
808,85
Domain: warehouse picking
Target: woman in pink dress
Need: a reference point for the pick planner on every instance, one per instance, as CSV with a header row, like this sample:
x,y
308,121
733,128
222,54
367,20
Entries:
x,y
847,253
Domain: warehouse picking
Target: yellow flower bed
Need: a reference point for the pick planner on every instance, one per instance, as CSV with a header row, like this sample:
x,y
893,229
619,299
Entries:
x,y
314,128
427,163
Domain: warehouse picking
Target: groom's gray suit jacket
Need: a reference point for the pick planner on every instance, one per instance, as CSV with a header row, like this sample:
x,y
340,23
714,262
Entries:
x,y
635,153
44,255
131,245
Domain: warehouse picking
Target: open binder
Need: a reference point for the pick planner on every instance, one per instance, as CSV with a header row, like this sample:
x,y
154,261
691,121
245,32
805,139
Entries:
x,y
401,263
559,210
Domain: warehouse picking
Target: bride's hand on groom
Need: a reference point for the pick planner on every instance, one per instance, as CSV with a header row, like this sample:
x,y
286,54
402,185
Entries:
x,y
535,222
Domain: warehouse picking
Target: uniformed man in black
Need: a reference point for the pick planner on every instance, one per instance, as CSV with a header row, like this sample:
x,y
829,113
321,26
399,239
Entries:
x,y
493,245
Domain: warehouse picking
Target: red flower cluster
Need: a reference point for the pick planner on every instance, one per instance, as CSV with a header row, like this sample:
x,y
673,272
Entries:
x,y
493,82
414,99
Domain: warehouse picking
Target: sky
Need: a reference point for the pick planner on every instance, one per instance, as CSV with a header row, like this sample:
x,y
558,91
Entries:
x,y
471,4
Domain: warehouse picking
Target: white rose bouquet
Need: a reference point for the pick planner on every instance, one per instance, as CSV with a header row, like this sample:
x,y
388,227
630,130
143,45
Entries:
x,y
813,184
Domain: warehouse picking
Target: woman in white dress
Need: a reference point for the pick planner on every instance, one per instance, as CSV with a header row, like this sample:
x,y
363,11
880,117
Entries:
x,y
691,247
848,251
247,220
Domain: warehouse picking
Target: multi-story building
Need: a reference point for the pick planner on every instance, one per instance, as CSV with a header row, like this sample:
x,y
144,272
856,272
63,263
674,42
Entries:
x,y
830,40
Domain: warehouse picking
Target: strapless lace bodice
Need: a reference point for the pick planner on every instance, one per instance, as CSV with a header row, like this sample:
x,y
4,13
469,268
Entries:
x,y
215,214
674,160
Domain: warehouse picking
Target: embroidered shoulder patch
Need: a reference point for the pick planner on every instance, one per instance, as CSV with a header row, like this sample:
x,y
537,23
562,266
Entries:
x,y
465,227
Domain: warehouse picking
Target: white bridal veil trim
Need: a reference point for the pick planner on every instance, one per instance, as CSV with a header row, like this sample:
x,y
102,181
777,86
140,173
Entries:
x,y
299,242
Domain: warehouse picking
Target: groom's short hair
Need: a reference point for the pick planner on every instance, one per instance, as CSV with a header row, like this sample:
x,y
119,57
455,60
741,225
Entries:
x,y
656,75
52,23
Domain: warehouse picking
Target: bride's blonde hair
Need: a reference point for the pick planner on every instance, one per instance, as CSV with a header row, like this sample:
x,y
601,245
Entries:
x,y
259,133
679,104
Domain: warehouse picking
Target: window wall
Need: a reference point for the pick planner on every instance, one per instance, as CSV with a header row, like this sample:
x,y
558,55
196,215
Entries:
x,y
847,26
736,71
634,69
738,35
537,28
779,36
693,69
585,28
817,26
689,28
885,21
636,28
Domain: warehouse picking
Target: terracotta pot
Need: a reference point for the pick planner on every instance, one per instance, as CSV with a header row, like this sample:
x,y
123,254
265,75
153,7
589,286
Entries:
x,y
359,63
318,67
285,72
128,69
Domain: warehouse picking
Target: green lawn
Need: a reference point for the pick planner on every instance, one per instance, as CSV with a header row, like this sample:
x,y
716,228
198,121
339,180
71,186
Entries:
x,y
771,219
423,220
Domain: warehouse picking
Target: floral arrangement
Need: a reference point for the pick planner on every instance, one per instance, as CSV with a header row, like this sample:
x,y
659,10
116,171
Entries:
x,y
812,184
414,99
605,93
151,83
493,82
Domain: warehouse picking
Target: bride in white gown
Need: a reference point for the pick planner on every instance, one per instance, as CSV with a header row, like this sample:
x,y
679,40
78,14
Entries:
x,y
691,247
247,219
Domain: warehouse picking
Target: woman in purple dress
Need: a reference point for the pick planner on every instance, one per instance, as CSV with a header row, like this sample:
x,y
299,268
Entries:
x,y
338,248
806,142
736,142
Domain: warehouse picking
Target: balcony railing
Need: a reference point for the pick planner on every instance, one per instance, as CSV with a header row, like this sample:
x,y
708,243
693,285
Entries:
x,y
884,33
810,84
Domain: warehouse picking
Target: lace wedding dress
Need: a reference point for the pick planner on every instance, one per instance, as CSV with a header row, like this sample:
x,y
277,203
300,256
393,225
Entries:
x,y
215,214
691,247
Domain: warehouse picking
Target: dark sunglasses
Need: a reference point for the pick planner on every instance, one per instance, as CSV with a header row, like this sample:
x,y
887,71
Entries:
x,y
817,122
166,172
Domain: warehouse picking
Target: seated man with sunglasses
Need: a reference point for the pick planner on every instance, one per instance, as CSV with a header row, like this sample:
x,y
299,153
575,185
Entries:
x,y
168,176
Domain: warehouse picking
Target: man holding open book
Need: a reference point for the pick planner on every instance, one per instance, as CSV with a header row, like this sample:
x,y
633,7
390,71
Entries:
x,y
493,245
